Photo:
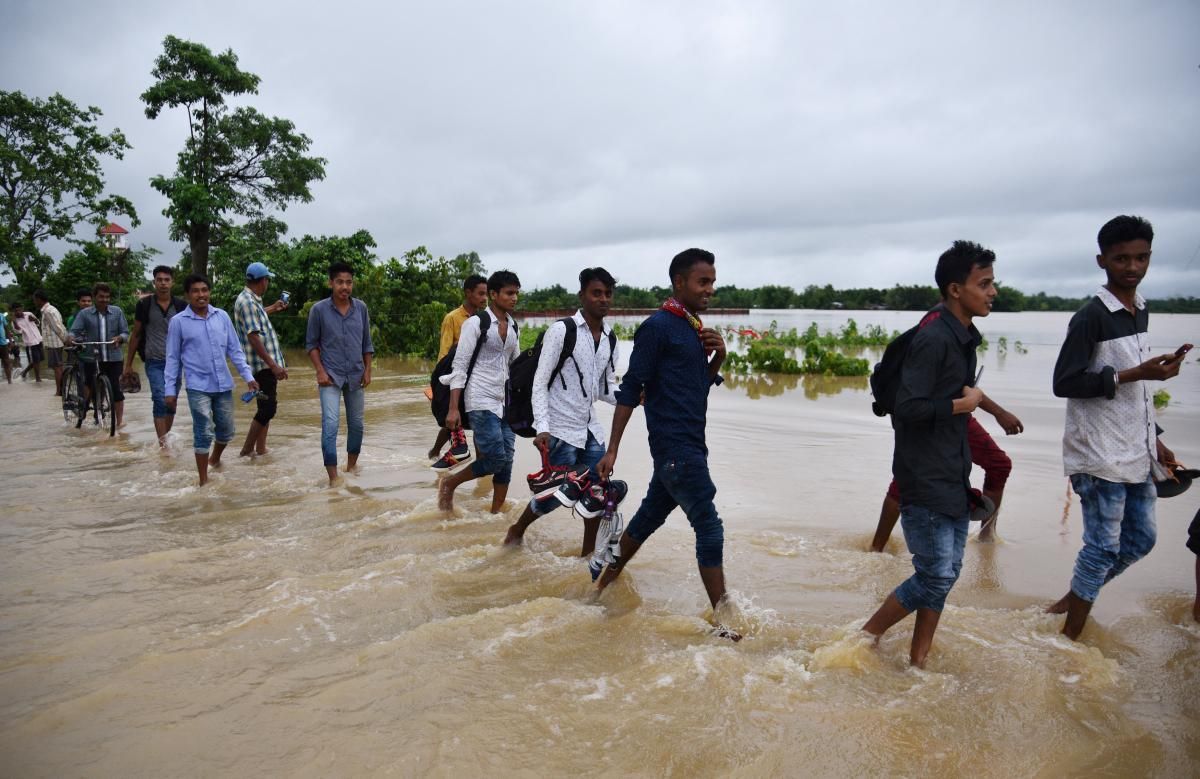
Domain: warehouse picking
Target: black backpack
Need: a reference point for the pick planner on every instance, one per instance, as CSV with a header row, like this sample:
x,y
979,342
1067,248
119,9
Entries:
x,y
439,404
885,379
518,410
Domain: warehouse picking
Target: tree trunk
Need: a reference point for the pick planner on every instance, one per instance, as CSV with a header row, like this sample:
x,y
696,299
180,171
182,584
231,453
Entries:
x,y
198,239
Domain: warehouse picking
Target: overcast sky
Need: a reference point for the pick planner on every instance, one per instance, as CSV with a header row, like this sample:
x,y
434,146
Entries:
x,y
803,143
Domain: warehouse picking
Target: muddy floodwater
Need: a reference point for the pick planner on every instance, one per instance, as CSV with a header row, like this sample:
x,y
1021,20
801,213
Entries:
x,y
269,625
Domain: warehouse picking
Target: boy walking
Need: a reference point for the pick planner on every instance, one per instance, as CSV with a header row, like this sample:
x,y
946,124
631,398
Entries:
x,y
564,413
151,318
54,337
932,458
263,351
474,300
199,339
1111,448
106,324
338,340
675,361
483,390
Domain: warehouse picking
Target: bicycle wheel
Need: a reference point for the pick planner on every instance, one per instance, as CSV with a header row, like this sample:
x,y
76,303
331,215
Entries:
x,y
104,411
72,400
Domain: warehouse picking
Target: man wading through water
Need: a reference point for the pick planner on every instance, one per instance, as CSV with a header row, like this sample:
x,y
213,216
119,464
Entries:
x,y
675,361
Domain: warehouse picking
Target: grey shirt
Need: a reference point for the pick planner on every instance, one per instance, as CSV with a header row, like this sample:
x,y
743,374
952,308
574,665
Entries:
x,y
343,340
154,325
91,325
932,460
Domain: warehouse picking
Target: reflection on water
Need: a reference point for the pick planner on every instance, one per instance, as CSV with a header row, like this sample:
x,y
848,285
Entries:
x,y
267,624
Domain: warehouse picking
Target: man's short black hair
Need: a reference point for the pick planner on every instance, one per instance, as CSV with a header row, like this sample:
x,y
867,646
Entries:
x,y
957,262
473,281
16,304
167,269
195,278
99,287
683,262
501,279
82,293
1124,228
41,295
588,275
340,267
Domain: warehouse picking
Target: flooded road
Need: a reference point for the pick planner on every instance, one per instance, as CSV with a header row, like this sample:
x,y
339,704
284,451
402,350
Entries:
x,y
267,624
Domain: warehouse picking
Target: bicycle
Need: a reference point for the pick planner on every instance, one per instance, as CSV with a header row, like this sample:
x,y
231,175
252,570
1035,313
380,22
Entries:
x,y
76,403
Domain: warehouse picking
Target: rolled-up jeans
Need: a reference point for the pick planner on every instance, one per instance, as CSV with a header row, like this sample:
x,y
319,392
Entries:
x,y
937,542
210,411
156,376
330,396
563,453
496,445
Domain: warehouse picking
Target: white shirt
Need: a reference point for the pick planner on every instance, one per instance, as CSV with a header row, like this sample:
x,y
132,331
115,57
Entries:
x,y
485,391
562,409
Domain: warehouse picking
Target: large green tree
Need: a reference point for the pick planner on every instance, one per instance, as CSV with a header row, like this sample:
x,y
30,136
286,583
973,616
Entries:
x,y
235,161
51,155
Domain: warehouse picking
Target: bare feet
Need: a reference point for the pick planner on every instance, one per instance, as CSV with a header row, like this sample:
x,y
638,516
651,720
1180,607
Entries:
x,y
1060,606
445,495
514,536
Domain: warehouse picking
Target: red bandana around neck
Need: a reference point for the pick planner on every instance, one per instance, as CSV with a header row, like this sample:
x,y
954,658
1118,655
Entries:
x,y
673,306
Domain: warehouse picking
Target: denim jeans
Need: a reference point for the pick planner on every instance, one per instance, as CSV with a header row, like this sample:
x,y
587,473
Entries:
x,y
155,375
562,453
937,542
685,483
210,410
1118,530
330,399
496,444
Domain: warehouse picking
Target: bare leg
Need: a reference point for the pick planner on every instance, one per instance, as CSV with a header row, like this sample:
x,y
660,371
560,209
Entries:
x,y
449,484
58,383
988,530
516,531
351,463
927,622
443,437
251,440
260,447
202,467
590,526
714,583
119,411
1077,614
332,471
499,494
889,512
162,426
888,614
215,460
1060,605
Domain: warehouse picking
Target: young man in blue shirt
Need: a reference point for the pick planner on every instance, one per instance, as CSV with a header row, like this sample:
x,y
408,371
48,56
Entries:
x,y
199,339
675,361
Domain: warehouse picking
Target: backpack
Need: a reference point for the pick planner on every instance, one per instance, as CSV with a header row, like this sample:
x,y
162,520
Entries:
x,y
439,404
518,410
885,379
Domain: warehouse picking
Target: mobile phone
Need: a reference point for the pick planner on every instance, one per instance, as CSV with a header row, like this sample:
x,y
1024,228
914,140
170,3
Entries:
x,y
284,297
1183,350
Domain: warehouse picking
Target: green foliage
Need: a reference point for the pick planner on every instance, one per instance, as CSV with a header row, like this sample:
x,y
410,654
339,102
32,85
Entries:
x,y
1002,345
556,298
124,271
847,336
762,357
1021,348
1161,398
530,334
983,344
51,178
234,161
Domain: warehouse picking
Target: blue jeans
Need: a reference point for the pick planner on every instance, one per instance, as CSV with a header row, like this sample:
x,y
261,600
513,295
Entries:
x,y
155,375
685,483
937,542
496,445
210,410
562,453
1118,530
355,400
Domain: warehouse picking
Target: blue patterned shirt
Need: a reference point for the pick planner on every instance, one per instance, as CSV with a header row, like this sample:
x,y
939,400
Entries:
x,y
249,316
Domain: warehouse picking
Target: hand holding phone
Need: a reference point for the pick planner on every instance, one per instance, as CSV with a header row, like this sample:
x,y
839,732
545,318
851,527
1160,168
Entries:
x,y
1181,351
285,297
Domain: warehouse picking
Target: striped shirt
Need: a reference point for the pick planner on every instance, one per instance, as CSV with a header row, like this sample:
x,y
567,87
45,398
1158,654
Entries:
x,y
249,316
53,333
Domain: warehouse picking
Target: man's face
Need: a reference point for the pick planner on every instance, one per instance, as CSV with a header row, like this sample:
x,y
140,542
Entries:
x,y
476,297
84,301
976,294
596,299
102,299
1126,263
162,284
695,287
197,295
342,285
259,286
505,299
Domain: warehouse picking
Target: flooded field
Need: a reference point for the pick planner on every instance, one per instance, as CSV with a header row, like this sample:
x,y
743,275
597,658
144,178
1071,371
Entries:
x,y
267,624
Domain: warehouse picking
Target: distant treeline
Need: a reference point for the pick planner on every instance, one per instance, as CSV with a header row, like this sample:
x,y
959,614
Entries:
x,y
914,297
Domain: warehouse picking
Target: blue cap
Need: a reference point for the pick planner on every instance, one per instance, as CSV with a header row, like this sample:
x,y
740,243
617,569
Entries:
x,y
256,271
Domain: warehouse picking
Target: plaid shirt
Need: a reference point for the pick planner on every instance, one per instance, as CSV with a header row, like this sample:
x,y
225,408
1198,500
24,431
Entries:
x,y
249,316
